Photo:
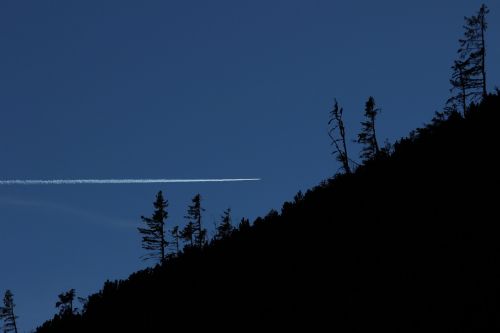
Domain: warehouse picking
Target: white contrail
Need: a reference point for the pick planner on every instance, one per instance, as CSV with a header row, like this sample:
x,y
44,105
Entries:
x,y
117,181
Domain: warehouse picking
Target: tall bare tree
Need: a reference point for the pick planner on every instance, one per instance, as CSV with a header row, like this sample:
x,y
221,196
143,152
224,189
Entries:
x,y
336,133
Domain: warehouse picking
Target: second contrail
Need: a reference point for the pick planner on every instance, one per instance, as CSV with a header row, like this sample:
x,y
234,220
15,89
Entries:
x,y
118,181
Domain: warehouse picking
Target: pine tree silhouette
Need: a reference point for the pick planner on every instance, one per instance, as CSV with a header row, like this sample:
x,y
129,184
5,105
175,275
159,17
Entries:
x,y
7,313
472,49
368,135
153,235
65,303
194,216
225,228
187,234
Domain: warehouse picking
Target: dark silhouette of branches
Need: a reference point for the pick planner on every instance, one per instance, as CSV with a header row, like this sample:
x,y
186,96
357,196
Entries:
x,y
225,228
7,313
472,49
194,216
187,234
338,136
65,303
368,135
153,235
175,234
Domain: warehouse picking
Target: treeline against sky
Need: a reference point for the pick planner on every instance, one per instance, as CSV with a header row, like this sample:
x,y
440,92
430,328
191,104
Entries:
x,y
405,242
404,239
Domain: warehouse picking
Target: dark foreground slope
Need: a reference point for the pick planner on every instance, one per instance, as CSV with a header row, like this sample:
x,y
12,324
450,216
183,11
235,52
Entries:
x,y
408,243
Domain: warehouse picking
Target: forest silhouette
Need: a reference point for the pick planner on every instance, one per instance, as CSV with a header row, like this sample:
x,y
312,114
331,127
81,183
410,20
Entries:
x,y
407,241
404,241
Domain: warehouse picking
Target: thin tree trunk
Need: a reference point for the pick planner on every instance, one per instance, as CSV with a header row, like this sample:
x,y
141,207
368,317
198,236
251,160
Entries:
x,y
464,96
345,158
375,143
199,229
162,244
14,320
483,57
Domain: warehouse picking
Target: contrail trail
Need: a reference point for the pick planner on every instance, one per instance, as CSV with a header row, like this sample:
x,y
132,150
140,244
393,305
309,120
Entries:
x,y
117,181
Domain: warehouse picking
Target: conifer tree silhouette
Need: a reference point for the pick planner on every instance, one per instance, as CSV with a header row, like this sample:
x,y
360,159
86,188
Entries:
x,y
187,234
176,236
368,135
194,216
472,49
153,235
224,229
7,313
65,303
462,84
468,79
244,224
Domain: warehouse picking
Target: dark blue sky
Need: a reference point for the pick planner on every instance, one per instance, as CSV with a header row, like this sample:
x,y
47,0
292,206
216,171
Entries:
x,y
191,89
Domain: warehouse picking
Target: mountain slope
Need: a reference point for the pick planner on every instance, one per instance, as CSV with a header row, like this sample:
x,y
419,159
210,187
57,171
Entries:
x,y
408,242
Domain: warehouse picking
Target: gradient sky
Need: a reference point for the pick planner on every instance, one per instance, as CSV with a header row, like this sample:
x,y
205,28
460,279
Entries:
x,y
191,89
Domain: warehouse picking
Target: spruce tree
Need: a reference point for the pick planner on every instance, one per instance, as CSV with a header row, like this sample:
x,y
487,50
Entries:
x,y
461,86
153,235
7,313
224,229
244,224
194,216
176,236
472,51
65,303
468,79
187,234
368,135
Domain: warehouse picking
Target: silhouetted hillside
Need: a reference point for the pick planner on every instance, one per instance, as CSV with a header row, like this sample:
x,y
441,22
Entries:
x,y
407,242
